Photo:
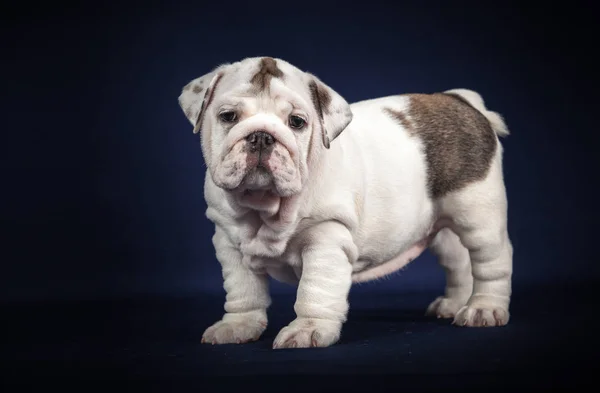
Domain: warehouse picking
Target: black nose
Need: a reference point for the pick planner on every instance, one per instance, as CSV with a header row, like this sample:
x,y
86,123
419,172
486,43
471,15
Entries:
x,y
260,139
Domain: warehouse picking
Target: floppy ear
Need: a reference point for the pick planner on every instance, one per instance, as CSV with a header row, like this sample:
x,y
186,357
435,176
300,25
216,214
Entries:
x,y
333,110
197,95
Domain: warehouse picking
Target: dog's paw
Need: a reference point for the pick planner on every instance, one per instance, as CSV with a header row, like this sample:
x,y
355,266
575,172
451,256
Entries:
x,y
236,328
306,333
444,307
480,316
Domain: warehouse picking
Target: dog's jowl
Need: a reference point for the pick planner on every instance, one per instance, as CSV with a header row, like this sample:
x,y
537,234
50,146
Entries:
x,y
315,192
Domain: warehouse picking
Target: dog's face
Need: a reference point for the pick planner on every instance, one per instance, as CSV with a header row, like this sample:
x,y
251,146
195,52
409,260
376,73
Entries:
x,y
261,122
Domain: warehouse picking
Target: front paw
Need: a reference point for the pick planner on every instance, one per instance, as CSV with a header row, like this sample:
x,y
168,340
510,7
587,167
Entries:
x,y
308,332
481,316
444,307
236,328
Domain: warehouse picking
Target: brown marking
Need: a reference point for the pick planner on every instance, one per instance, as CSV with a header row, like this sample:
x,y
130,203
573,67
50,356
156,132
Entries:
x,y
283,159
208,96
197,89
320,98
268,69
400,117
459,141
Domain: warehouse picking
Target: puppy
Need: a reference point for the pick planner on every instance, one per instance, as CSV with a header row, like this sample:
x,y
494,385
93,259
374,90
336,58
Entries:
x,y
294,198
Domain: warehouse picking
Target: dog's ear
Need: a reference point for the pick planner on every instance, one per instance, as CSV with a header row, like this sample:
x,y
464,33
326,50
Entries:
x,y
333,110
197,95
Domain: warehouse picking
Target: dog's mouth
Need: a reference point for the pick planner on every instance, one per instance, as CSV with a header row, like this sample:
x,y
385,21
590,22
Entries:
x,y
258,189
258,195
258,184
258,178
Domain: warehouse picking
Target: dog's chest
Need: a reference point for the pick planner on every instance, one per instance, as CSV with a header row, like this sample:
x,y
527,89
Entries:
x,y
263,247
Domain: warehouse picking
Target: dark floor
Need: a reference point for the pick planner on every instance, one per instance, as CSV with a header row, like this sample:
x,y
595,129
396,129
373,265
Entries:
x,y
548,343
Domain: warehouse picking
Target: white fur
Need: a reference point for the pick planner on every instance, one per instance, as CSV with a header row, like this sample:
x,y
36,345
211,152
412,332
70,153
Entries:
x,y
362,211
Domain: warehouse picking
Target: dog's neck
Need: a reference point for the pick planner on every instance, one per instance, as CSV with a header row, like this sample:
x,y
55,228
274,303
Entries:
x,y
267,229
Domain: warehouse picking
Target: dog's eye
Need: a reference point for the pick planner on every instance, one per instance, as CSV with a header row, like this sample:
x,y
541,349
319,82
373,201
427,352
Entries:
x,y
297,122
228,116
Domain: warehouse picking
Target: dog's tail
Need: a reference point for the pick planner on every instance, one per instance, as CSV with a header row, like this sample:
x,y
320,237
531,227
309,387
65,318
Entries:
x,y
475,100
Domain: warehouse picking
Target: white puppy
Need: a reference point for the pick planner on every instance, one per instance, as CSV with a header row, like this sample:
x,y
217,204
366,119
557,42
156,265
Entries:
x,y
409,172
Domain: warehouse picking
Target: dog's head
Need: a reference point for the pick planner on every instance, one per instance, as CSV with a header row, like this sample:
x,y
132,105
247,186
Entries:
x,y
261,122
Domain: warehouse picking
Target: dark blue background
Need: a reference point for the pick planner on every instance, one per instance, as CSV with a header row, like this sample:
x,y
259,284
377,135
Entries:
x,y
102,177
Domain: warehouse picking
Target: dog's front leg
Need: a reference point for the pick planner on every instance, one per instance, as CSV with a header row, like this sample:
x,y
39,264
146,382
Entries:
x,y
322,297
247,298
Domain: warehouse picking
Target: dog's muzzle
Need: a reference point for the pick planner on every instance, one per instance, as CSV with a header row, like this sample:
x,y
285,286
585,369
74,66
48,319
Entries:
x,y
260,141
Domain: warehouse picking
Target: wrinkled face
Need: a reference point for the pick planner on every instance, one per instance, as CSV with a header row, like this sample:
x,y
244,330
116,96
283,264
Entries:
x,y
261,120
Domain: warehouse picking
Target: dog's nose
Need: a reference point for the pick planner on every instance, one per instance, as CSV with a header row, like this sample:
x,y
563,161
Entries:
x,y
260,139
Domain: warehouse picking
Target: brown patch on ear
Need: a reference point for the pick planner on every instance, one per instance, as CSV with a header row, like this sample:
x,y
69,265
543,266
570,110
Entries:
x,y
197,89
458,140
208,96
268,69
321,100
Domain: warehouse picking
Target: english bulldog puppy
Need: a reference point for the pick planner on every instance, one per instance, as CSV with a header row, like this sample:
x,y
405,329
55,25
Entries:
x,y
316,192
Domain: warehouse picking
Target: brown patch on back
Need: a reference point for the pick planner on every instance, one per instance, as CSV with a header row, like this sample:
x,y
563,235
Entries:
x,y
197,89
399,117
268,69
458,97
459,141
